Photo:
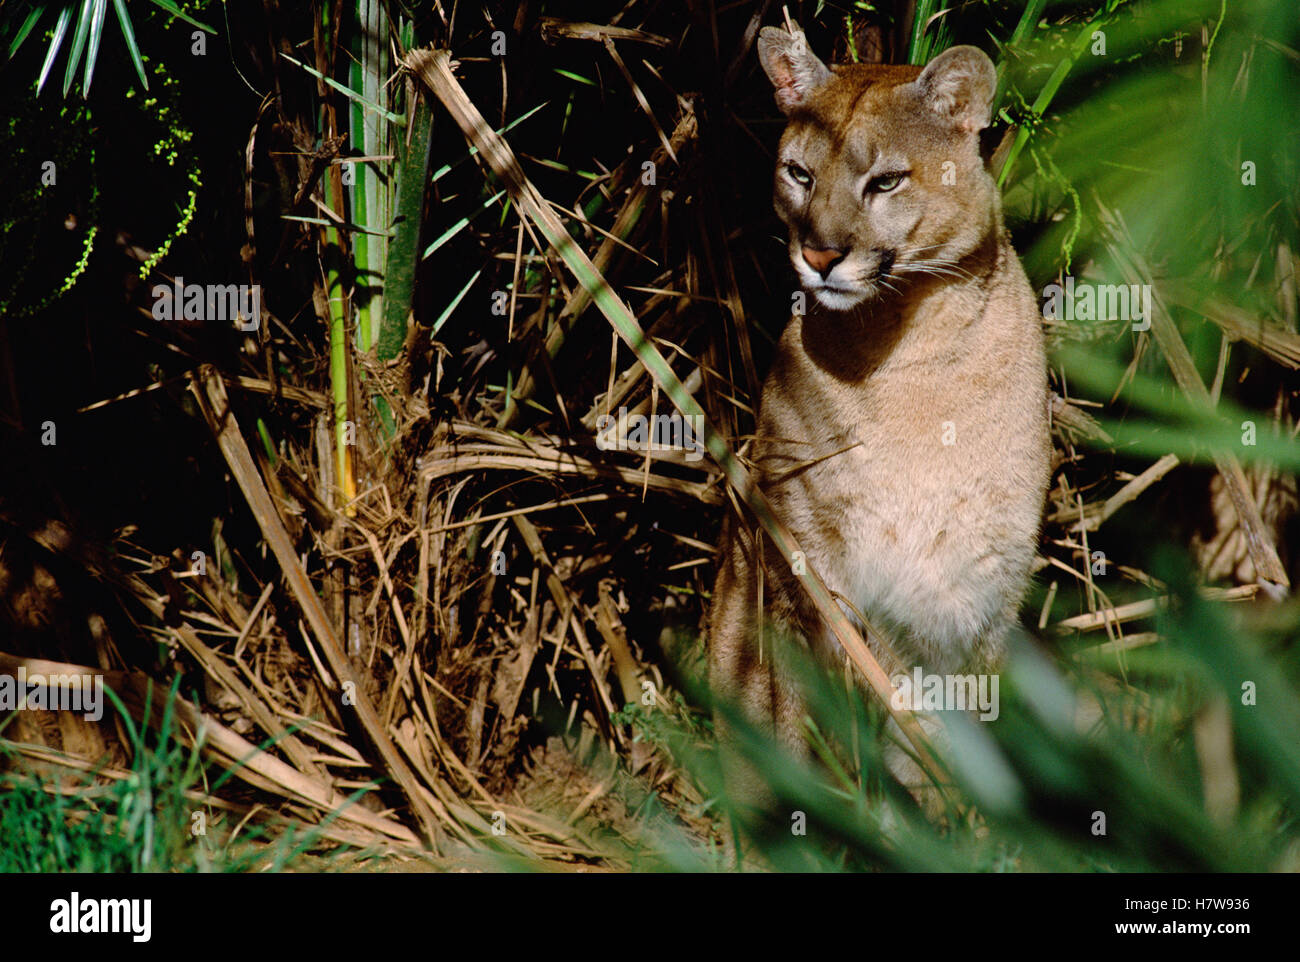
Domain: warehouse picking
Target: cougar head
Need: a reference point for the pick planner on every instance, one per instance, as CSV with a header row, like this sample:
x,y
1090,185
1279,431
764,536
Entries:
x,y
879,174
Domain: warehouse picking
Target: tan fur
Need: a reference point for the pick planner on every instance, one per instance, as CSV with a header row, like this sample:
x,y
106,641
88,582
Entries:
x,y
925,329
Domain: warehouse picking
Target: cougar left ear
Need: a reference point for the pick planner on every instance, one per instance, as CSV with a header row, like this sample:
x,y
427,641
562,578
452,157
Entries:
x,y
795,71
959,85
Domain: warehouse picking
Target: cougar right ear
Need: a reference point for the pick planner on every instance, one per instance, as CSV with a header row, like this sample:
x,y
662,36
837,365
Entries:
x,y
959,86
794,70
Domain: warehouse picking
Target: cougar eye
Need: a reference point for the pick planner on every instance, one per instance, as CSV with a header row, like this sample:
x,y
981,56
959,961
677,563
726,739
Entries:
x,y
798,175
885,183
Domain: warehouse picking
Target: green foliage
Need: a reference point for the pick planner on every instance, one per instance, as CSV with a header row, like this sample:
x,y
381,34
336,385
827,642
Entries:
x,y
139,823
144,822
34,216
49,223
1034,783
22,19
1140,145
930,34
173,149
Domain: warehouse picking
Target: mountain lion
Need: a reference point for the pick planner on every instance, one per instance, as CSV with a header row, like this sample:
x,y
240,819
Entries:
x,y
902,433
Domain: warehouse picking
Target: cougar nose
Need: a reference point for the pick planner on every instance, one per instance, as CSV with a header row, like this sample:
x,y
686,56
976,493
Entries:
x,y
823,261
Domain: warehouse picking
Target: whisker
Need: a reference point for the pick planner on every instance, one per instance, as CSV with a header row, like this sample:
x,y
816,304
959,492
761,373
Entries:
x,y
936,261
937,266
936,272
918,250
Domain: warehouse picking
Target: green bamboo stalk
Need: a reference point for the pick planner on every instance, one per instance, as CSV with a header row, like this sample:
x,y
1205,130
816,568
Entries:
x,y
1044,98
1029,18
369,131
331,185
361,216
411,166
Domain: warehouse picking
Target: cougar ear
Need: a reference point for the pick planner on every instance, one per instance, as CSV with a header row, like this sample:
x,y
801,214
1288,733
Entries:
x,y
794,70
959,85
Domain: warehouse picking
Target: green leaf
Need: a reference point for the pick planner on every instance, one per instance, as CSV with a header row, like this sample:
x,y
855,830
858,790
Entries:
x,y
92,52
60,29
460,225
411,170
25,29
176,11
128,34
78,44
1174,425
345,225
455,302
577,77
447,168
348,92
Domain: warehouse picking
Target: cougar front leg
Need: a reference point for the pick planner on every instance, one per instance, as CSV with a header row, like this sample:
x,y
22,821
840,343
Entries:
x,y
747,674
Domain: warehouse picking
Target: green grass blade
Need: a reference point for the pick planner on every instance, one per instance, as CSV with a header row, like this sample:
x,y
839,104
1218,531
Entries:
x,y
348,92
448,168
78,43
128,34
25,29
1028,20
60,30
455,302
176,11
92,51
326,222
576,77
1053,84
924,42
460,225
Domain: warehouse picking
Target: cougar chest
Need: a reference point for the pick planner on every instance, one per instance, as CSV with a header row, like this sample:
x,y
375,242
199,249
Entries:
x,y
899,490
